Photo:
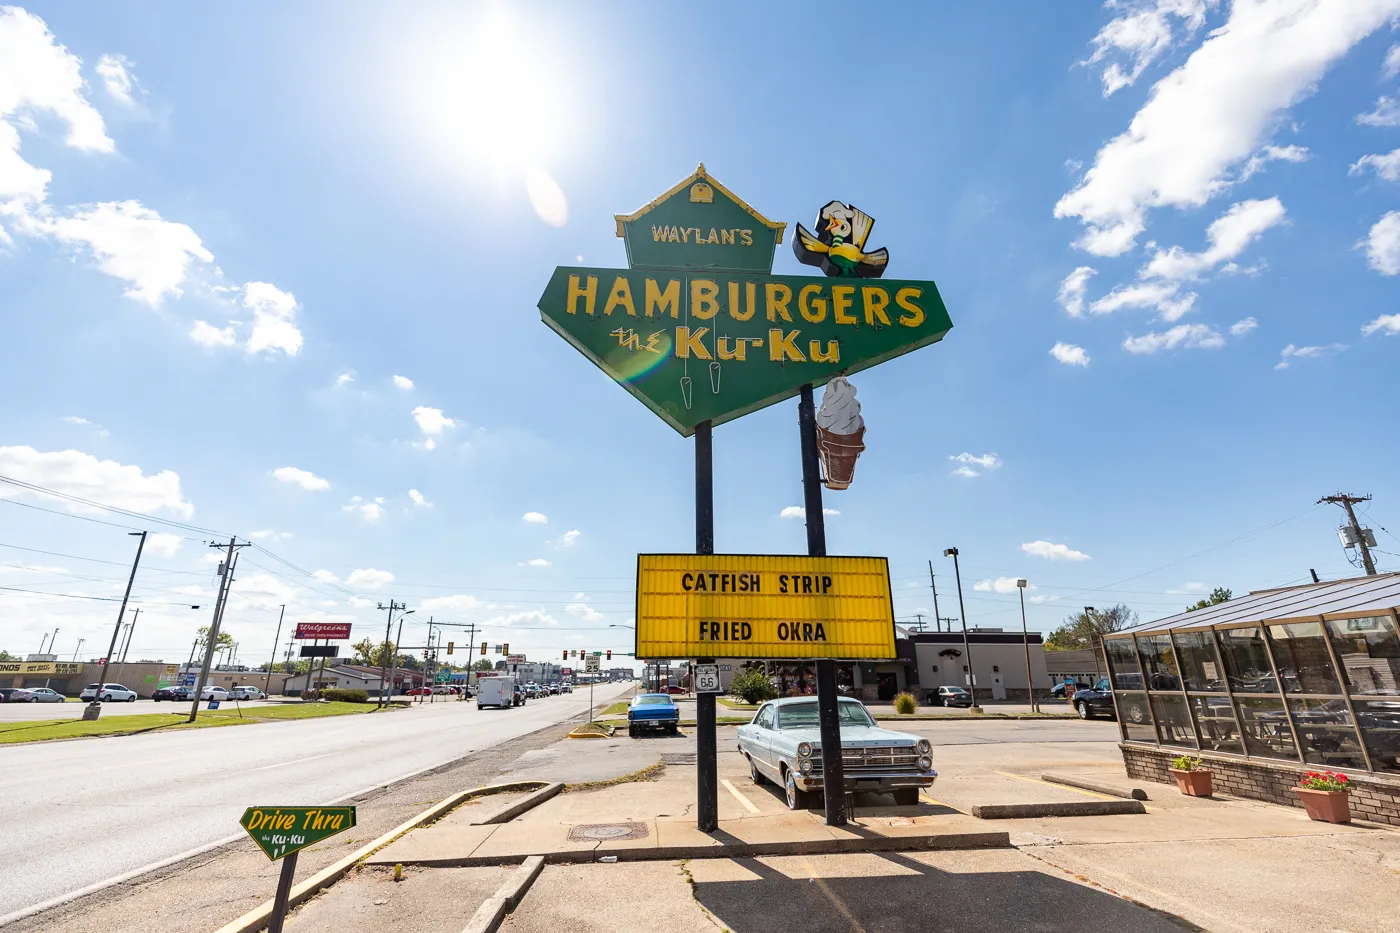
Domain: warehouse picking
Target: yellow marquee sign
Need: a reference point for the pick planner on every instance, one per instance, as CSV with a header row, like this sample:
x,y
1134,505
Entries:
x,y
38,667
748,606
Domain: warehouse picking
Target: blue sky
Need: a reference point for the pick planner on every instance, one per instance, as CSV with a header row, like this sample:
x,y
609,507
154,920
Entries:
x,y
272,270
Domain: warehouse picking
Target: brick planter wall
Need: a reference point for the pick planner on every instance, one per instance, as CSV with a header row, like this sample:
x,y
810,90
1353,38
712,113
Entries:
x,y
1373,797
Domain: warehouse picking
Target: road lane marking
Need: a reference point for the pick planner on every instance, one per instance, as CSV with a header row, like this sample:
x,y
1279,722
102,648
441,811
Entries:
x,y
283,764
938,803
740,797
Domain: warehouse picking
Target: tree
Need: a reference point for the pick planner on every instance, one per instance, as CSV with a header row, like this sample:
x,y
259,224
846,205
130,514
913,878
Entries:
x,y
373,654
1081,629
1217,596
6,656
484,665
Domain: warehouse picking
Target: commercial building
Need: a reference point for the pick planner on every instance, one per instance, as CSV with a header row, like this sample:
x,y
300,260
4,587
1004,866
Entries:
x,y
1267,686
352,677
1081,665
69,678
997,666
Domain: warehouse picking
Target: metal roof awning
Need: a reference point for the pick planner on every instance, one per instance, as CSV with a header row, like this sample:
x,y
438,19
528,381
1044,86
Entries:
x,y
1357,596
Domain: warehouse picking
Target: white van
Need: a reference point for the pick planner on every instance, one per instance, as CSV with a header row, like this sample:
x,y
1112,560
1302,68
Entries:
x,y
495,691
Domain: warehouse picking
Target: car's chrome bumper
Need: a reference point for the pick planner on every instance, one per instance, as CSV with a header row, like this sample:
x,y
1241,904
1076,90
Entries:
x,y
873,780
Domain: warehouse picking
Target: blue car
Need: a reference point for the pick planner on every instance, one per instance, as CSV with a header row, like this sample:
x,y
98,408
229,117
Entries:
x,y
653,711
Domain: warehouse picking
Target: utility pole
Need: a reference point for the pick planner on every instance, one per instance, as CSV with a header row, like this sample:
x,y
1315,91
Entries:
x,y
1357,533
267,684
96,705
230,562
934,585
1026,641
388,628
130,630
394,655
967,646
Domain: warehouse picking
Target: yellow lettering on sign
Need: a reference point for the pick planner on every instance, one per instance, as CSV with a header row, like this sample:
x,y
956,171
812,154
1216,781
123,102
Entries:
x,y
658,234
620,297
783,347
746,238
813,309
832,354
876,300
905,298
704,299
750,292
726,238
737,352
589,294
688,343
842,296
776,296
658,300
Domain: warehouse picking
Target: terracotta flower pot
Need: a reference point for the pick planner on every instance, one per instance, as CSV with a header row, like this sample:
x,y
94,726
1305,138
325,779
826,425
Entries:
x,y
1193,783
1326,806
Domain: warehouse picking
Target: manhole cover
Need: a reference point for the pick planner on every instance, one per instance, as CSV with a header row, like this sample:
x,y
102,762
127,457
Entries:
x,y
607,832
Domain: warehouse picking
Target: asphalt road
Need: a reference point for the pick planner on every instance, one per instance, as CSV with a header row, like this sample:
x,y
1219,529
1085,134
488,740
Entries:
x,y
80,812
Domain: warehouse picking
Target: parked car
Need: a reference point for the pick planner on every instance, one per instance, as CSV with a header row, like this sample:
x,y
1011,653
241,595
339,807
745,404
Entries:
x,y
211,692
6,691
950,696
36,695
1098,700
173,692
248,692
783,745
673,690
653,711
1058,691
108,693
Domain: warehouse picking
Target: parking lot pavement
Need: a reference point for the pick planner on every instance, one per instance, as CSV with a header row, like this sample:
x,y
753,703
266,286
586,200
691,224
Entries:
x,y
425,901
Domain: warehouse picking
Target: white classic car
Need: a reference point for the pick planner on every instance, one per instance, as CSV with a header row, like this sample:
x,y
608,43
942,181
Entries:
x,y
783,744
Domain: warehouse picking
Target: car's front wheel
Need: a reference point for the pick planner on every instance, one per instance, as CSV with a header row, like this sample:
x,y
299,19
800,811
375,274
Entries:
x,y
796,798
131,699
1083,710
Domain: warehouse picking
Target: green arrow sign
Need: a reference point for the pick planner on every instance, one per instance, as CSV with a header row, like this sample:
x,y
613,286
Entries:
x,y
443,676
280,831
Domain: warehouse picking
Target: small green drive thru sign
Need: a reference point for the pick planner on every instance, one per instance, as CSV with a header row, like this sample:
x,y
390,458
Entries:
x,y
280,831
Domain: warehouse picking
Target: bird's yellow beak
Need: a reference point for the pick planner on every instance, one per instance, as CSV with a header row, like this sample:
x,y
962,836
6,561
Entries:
x,y
833,223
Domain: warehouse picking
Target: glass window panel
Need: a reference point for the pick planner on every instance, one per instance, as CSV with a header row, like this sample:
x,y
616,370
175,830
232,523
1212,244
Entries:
x,y
1173,720
1200,665
1265,726
1215,723
1300,654
1122,663
1380,729
1326,732
1246,662
1369,651
1137,721
1155,651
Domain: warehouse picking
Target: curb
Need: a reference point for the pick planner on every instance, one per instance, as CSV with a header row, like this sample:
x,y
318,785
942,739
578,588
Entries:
x,y
1020,811
1133,793
551,789
257,918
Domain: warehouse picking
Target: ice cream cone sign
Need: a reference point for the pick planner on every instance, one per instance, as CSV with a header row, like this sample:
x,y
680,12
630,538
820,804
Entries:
x,y
840,433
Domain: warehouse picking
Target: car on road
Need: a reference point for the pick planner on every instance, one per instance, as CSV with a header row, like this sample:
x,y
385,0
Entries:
x,y
212,692
653,711
1058,691
173,692
566,688
500,692
36,695
783,745
555,690
950,696
247,692
108,693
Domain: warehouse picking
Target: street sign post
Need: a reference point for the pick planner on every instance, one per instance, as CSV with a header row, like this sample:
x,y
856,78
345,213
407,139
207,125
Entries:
x,y
591,664
444,676
282,832
707,678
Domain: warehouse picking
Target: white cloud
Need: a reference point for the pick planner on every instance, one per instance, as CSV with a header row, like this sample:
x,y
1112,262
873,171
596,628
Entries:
x,y
535,518
518,620
1388,324
273,311
1212,113
583,611
1166,297
569,538
1385,165
99,429
403,382
970,464
535,562
303,478
267,534
163,545
371,510
1385,113
133,243
1243,326
1001,585
1069,354
1051,551
1185,336
1383,244
432,422
105,481
1291,353
546,197
325,576
121,85
1269,154
797,511
265,584
344,379
1141,33
207,335
419,499
368,578
1392,62
1071,293
1229,235
458,602
1188,589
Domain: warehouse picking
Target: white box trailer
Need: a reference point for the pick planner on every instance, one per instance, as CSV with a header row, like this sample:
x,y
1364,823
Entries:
x,y
495,691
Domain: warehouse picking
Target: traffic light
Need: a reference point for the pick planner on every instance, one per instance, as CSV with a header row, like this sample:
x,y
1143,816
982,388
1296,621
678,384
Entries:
x,y
449,647
609,654
483,647
566,654
505,649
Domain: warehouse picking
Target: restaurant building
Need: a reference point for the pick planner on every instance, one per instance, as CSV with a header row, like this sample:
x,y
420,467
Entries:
x,y
1268,686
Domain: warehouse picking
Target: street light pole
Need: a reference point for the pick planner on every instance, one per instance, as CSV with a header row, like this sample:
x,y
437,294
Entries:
x,y
1093,638
967,646
1026,640
79,648
267,683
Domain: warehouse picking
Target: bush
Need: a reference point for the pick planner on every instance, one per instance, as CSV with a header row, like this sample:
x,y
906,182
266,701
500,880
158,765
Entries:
x,y
905,704
1187,763
752,686
310,695
338,695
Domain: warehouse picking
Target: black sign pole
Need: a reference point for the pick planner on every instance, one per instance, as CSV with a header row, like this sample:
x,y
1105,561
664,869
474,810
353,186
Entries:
x,y
833,777
284,892
706,746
